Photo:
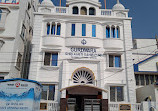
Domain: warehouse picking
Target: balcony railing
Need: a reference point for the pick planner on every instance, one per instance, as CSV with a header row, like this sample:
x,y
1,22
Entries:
x,y
61,10
134,107
106,12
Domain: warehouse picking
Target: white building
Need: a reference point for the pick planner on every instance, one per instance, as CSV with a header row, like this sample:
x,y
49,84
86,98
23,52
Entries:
x,y
82,53
146,72
16,19
145,61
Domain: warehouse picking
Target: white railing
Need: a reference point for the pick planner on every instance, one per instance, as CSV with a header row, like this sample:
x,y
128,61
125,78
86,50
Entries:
x,y
61,10
52,106
106,12
134,107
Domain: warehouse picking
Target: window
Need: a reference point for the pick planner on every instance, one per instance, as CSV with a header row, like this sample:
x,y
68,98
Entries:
x,y
73,30
107,32
18,62
23,30
118,32
53,28
116,93
51,59
83,75
0,14
48,92
91,11
114,61
75,10
83,29
83,11
113,32
145,79
93,30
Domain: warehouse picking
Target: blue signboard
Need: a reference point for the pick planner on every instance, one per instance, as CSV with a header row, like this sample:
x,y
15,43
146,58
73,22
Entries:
x,y
19,95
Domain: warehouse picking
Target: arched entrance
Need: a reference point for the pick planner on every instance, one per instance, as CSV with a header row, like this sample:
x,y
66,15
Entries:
x,y
84,98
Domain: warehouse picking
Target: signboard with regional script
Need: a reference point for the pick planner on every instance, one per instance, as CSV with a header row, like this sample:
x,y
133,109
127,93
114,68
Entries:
x,y
19,95
9,1
125,107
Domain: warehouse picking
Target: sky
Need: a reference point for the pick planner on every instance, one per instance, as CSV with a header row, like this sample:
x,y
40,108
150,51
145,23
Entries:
x,y
144,15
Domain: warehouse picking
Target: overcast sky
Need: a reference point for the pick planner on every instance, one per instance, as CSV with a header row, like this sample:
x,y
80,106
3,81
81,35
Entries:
x,y
143,12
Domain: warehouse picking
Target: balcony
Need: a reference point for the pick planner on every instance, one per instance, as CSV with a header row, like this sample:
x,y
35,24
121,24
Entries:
x,y
113,43
83,42
53,41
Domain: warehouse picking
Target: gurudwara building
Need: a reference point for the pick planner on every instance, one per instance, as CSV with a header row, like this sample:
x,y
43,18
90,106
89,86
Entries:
x,y
82,55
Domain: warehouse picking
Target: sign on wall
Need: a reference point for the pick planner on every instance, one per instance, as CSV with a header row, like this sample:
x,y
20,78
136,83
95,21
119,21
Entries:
x,y
79,52
125,107
9,1
19,95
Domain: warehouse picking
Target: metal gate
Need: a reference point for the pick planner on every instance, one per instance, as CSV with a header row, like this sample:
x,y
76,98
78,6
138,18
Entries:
x,y
71,104
92,104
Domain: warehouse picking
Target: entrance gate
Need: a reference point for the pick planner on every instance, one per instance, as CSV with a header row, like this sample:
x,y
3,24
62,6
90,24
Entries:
x,y
89,105
92,104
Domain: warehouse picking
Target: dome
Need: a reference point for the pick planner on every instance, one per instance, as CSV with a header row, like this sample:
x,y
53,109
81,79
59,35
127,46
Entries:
x,y
47,2
118,6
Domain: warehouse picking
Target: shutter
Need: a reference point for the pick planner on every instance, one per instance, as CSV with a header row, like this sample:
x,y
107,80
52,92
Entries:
x,y
93,30
73,30
54,59
83,29
117,61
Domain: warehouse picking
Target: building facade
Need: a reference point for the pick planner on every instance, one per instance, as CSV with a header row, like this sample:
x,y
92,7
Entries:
x,y
145,61
16,19
82,54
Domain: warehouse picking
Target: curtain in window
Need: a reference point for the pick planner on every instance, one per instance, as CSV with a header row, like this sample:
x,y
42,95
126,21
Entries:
x,y
73,30
113,32
112,94
117,61
118,32
51,92
47,59
58,29
48,29
119,93
107,32
93,30
53,29
83,29
54,59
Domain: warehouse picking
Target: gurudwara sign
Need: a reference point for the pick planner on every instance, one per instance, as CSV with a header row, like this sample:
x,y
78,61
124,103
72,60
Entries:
x,y
19,95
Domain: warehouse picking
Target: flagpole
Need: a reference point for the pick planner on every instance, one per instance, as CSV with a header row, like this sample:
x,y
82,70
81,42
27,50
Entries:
x,y
105,3
60,3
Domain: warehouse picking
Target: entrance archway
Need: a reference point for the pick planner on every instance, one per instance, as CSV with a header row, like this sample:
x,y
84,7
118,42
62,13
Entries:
x,y
83,98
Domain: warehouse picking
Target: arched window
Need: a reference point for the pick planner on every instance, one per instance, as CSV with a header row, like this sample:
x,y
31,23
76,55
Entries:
x,y
75,10
0,14
118,31
58,29
53,29
48,28
107,32
83,75
91,11
113,32
83,11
